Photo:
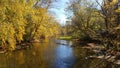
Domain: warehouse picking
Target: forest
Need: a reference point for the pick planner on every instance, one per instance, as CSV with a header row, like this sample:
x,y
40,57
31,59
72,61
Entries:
x,y
25,20
91,33
97,20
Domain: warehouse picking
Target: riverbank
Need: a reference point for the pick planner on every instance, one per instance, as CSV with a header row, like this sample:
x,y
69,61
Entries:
x,y
100,52
23,45
65,38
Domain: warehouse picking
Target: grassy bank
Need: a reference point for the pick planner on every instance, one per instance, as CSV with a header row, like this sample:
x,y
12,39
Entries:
x,y
65,37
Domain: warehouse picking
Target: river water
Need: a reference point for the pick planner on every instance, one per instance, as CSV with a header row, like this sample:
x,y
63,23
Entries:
x,y
52,54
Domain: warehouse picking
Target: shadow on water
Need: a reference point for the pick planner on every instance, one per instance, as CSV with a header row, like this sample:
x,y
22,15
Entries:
x,y
51,55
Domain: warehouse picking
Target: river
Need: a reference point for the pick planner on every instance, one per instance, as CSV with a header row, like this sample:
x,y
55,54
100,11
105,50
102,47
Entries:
x,y
51,54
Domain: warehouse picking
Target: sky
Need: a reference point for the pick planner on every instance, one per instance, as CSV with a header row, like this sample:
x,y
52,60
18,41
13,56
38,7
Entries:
x,y
58,10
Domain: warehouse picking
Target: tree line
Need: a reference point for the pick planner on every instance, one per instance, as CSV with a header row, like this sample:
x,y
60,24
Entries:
x,y
99,20
25,20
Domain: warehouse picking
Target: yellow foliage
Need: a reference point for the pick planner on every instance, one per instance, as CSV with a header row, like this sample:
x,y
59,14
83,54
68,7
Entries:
x,y
20,20
118,10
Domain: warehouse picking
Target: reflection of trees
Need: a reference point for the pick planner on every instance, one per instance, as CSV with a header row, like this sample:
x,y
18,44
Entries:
x,y
37,55
3,61
30,58
20,58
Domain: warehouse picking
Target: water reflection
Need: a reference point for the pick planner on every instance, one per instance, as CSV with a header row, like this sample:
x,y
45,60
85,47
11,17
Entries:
x,y
64,55
51,55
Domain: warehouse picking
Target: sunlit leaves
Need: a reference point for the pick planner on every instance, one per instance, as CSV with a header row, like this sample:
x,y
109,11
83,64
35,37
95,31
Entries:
x,y
7,34
22,20
118,10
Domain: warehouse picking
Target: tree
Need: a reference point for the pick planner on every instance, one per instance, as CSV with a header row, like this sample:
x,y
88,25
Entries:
x,y
85,21
22,20
110,13
101,23
13,19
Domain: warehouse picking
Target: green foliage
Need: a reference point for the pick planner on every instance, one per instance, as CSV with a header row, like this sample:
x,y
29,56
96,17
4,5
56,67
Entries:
x,y
65,37
103,25
86,20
